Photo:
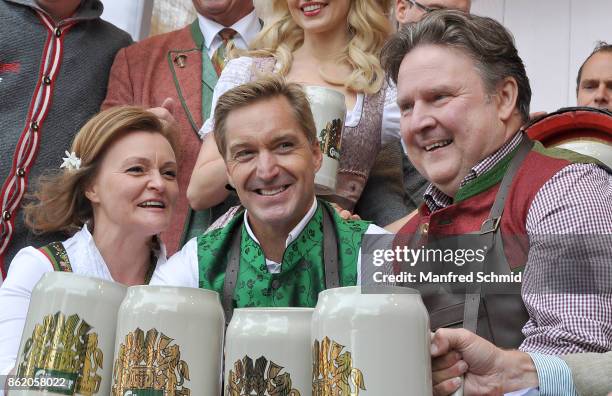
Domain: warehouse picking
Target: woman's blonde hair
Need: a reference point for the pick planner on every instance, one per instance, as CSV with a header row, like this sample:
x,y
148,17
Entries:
x,y
369,27
59,202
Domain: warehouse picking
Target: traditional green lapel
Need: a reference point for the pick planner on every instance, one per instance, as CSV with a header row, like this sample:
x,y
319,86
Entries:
x,y
485,181
493,176
209,76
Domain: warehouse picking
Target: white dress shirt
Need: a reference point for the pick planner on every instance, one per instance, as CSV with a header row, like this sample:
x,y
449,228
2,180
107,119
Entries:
x,y
246,30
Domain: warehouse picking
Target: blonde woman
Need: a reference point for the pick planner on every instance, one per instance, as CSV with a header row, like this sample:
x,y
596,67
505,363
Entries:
x,y
116,191
336,44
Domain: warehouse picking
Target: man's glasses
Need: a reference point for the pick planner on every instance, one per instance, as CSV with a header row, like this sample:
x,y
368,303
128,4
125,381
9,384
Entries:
x,y
420,6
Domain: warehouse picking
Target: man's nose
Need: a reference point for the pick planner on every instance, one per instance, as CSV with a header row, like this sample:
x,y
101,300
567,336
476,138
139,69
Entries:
x,y
267,165
419,120
602,95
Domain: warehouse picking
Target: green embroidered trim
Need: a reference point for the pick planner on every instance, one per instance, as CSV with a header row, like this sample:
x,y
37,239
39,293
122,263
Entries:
x,y
179,92
57,255
518,270
302,274
496,174
485,181
196,34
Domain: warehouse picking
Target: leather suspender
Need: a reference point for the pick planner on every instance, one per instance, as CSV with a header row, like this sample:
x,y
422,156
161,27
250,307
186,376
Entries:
x,y
490,231
231,275
330,250
330,260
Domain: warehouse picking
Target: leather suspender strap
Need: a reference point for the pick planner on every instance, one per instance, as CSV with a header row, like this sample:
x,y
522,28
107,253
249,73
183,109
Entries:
x,y
492,223
231,275
330,260
489,230
330,250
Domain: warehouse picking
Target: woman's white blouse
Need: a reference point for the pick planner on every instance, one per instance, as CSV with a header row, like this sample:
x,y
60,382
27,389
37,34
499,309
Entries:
x,y
26,269
238,71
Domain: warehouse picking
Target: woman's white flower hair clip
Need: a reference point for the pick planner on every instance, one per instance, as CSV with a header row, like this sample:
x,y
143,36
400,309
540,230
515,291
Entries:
x,y
71,162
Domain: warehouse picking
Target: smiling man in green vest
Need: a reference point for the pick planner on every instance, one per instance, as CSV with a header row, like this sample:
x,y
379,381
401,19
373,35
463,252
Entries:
x,y
287,246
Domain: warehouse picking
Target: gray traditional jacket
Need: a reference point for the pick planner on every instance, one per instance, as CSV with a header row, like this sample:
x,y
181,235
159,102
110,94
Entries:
x,y
53,78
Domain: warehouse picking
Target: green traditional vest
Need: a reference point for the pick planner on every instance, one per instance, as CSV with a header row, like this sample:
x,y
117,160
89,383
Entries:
x,y
302,274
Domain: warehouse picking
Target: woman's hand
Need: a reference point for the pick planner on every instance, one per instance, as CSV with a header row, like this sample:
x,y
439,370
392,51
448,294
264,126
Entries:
x,y
345,214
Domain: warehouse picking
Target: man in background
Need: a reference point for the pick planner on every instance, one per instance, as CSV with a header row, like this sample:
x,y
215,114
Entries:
x,y
594,81
184,65
55,57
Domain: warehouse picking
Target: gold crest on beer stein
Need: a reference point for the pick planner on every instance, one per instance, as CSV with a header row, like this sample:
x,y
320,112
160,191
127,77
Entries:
x,y
330,138
247,379
333,373
66,349
148,365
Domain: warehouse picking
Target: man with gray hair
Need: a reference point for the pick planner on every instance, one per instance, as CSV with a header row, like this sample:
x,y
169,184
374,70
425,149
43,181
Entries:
x,y
464,94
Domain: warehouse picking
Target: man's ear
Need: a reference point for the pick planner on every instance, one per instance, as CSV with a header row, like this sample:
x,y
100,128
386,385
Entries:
x,y
230,183
506,98
400,11
317,155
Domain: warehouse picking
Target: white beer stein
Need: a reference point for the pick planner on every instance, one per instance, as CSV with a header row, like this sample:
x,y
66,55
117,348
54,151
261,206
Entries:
x,y
329,112
371,344
69,335
169,342
267,352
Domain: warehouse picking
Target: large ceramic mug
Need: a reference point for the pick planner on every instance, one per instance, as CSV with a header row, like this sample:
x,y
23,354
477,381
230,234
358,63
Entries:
x,y
371,344
267,352
329,111
69,335
169,342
